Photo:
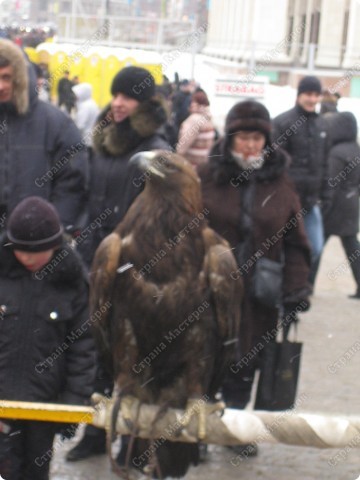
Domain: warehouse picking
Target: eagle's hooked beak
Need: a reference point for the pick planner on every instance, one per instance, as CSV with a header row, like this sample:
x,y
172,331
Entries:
x,y
144,161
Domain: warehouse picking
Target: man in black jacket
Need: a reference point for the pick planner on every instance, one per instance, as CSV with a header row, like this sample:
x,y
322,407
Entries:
x,y
302,133
66,96
41,150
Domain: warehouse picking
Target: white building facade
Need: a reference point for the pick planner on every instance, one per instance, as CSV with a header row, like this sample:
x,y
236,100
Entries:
x,y
286,39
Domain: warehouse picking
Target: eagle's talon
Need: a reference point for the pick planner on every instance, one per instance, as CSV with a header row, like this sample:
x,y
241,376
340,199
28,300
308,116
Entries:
x,y
126,407
202,410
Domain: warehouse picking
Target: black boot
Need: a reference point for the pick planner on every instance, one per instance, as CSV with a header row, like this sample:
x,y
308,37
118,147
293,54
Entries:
x,y
356,295
245,450
121,458
88,446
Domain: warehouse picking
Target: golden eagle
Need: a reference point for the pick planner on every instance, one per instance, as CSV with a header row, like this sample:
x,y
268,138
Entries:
x,y
175,309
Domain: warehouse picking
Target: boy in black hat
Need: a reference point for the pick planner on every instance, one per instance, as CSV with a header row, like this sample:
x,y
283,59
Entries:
x,y
47,353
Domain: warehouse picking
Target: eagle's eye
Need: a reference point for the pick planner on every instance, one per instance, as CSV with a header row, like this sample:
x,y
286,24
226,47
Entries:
x,y
170,167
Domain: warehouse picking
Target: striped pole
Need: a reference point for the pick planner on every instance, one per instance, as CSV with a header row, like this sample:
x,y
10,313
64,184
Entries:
x,y
227,427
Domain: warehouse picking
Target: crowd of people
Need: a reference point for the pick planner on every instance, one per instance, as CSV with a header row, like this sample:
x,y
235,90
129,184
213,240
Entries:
x,y
274,189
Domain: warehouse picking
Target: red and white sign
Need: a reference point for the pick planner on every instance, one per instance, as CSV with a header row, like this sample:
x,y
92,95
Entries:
x,y
240,88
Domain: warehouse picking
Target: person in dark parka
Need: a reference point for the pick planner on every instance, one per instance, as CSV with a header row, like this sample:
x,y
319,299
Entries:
x,y
130,124
47,353
253,204
342,219
41,151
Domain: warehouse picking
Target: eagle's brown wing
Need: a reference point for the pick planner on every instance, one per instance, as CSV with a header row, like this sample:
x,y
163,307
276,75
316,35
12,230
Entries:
x,y
226,287
102,277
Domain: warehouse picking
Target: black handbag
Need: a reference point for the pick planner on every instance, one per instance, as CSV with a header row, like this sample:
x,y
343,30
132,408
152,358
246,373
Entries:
x,y
279,375
267,282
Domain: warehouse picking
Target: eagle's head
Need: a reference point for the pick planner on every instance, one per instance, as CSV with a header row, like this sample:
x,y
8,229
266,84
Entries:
x,y
170,176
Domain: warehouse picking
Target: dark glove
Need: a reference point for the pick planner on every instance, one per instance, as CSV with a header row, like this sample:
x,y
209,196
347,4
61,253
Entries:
x,y
290,311
293,308
66,430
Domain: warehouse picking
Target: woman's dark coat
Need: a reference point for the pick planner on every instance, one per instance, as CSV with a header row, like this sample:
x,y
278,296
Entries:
x,y
114,182
47,352
258,212
344,179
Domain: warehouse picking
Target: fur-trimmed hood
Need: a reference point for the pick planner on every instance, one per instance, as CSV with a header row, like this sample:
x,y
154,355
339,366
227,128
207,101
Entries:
x,y
18,61
342,127
119,138
224,168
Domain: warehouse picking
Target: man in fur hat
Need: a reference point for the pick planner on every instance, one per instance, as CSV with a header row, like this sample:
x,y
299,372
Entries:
x,y
131,123
41,152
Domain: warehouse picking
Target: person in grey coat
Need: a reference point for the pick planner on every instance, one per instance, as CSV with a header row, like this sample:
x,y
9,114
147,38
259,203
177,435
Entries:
x,y
342,219
41,151
87,110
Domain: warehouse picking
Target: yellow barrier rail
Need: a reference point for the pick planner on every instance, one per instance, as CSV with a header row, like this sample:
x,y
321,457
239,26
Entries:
x,y
232,428
47,412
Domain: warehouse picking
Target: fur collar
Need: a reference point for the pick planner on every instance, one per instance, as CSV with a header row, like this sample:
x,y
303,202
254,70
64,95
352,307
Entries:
x,y
224,168
119,139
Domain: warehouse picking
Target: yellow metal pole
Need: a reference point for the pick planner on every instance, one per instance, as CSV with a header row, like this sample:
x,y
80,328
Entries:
x,y
47,412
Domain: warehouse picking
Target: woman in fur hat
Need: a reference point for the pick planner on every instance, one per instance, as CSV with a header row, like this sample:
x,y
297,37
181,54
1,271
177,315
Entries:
x,y
253,204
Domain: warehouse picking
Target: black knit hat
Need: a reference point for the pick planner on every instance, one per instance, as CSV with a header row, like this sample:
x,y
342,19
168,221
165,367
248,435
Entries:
x,y
309,84
34,226
248,115
134,82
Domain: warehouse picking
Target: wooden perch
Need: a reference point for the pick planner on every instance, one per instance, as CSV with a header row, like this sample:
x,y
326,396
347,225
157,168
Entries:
x,y
232,428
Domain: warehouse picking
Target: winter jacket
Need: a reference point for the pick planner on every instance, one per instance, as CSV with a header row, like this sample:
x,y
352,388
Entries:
x,y
259,213
180,107
344,175
47,352
87,111
65,94
303,135
114,182
41,152
196,137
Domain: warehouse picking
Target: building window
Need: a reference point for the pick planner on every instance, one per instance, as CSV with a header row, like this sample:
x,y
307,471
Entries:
x,y
344,33
289,35
314,27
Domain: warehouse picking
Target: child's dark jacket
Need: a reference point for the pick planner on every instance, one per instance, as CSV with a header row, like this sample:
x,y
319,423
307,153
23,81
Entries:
x,y
47,351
